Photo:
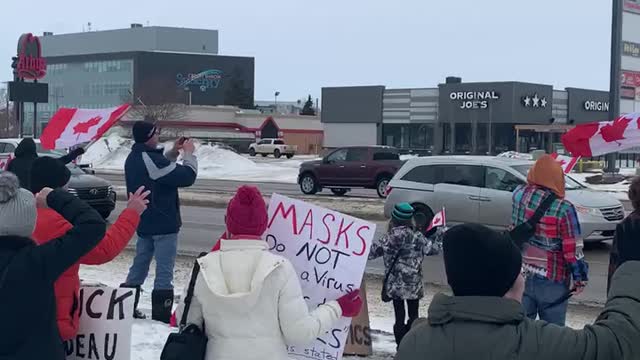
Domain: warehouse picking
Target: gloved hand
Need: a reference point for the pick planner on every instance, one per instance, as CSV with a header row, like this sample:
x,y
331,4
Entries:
x,y
351,303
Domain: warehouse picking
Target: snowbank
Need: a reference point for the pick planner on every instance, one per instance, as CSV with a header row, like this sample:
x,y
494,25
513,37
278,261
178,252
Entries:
x,y
214,162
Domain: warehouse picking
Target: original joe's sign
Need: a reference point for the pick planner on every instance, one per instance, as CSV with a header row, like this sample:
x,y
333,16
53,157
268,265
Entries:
x,y
31,65
470,100
591,105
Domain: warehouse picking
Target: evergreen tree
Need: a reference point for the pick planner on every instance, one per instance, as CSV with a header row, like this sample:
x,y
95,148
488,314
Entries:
x,y
308,108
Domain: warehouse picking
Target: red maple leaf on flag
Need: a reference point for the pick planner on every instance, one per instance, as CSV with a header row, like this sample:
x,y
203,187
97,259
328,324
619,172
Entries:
x,y
615,131
83,127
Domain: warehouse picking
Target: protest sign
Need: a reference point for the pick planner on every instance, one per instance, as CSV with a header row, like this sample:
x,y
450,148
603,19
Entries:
x,y
329,251
359,339
106,317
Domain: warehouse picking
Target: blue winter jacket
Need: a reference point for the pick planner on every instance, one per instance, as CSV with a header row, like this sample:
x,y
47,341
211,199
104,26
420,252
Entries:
x,y
161,175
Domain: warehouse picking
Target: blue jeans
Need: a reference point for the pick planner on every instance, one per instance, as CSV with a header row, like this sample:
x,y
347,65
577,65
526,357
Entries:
x,y
164,248
539,293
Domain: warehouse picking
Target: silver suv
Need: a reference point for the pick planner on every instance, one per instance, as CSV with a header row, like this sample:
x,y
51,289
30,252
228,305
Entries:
x,y
478,189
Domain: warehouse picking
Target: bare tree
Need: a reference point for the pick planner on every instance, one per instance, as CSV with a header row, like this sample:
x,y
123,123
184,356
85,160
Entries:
x,y
159,113
8,126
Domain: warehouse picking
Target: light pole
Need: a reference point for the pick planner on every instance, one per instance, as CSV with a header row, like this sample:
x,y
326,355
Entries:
x,y
277,93
614,80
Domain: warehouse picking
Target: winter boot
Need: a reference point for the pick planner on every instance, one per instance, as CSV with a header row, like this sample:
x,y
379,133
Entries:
x,y
161,305
137,314
399,331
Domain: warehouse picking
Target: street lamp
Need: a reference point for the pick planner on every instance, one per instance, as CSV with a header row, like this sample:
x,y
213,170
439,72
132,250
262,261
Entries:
x,y
276,96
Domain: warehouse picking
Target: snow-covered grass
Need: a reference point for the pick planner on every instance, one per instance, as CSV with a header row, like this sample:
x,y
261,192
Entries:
x,y
214,162
149,336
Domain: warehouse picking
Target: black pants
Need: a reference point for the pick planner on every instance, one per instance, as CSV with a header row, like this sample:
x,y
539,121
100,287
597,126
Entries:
x,y
401,315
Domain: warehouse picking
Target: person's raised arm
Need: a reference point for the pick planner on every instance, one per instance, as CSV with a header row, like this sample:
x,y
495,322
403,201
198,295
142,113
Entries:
x,y
165,172
58,255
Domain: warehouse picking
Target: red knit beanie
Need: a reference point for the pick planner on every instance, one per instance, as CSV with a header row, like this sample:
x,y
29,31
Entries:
x,y
247,212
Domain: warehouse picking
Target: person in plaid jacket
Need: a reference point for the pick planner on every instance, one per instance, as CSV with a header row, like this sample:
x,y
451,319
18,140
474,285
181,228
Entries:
x,y
553,261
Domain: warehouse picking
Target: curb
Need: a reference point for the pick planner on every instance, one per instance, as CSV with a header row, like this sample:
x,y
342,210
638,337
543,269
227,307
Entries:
x,y
361,209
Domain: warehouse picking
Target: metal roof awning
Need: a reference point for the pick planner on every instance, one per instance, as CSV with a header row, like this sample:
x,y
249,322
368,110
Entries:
x,y
548,128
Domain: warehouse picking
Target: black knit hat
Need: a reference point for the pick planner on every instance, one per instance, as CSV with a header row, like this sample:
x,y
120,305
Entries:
x,y
48,172
480,261
143,131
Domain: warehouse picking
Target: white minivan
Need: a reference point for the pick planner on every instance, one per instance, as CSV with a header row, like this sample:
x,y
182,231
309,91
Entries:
x,y
478,189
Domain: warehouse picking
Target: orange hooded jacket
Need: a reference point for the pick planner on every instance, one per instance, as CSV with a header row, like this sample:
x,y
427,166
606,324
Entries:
x,y
547,172
51,225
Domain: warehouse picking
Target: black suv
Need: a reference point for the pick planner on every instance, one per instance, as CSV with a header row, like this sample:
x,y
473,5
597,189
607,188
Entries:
x,y
96,191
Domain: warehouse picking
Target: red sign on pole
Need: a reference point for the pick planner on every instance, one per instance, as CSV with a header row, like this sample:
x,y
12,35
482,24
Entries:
x,y
31,65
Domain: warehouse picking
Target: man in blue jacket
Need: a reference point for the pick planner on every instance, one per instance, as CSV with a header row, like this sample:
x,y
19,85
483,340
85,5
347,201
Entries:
x,y
148,166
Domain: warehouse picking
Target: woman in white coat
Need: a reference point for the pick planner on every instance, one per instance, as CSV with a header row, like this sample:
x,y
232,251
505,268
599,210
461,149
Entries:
x,y
250,300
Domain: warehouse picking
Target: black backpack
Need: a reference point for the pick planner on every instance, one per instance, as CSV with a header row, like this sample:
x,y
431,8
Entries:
x,y
525,231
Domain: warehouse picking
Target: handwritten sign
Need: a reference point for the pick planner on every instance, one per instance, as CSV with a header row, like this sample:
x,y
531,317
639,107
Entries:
x,y
329,252
106,317
359,340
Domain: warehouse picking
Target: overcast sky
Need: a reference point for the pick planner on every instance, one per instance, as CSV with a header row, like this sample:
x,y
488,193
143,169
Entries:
x,y
301,46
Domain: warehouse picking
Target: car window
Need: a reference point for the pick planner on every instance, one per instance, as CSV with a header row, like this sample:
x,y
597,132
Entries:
x,y
339,155
357,154
569,182
2,148
264,142
420,174
279,142
498,179
9,148
467,175
386,155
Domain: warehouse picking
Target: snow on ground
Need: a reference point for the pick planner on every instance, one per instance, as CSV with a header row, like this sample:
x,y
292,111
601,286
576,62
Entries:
x,y
214,162
149,336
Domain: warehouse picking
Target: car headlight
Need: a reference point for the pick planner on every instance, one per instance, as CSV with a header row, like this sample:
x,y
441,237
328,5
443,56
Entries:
x,y
588,210
111,189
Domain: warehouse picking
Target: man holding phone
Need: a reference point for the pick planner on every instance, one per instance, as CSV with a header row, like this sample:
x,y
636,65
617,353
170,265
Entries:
x,y
147,165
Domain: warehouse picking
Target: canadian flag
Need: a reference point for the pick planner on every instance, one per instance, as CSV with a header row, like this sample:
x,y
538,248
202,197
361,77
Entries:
x,y
567,162
599,138
69,126
439,219
4,162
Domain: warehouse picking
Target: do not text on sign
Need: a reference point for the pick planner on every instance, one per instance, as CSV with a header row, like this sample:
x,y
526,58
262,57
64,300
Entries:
x,y
106,317
329,251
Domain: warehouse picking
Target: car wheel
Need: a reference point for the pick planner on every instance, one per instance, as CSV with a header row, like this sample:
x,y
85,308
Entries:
x,y
381,186
340,192
422,217
289,156
252,152
308,184
277,154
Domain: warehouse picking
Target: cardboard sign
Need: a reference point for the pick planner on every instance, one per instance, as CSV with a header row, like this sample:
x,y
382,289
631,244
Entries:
x,y
106,317
329,251
359,339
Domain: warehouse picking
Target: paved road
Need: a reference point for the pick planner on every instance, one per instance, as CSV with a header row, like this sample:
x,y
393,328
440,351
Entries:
x,y
205,185
202,226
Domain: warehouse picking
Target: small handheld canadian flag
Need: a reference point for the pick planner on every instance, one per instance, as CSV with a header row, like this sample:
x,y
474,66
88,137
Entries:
x,y
439,219
69,127
567,162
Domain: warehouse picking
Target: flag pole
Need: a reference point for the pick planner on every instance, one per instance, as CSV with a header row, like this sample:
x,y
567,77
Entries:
x,y
614,79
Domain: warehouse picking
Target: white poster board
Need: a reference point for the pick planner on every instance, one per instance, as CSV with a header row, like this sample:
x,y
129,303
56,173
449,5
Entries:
x,y
106,317
329,251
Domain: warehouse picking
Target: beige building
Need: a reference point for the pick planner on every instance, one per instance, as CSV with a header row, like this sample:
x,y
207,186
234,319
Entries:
x,y
239,128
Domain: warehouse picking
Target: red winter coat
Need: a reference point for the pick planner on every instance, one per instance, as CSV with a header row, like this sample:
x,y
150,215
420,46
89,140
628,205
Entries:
x,y
51,225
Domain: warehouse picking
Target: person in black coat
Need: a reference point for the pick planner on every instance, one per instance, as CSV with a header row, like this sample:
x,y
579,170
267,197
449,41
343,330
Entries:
x,y
28,271
626,242
24,156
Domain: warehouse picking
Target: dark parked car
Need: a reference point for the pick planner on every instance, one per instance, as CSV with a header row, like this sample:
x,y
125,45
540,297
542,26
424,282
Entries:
x,y
369,167
96,191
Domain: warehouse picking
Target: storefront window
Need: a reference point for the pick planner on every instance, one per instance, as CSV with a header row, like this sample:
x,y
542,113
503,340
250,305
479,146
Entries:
x,y
409,136
463,138
482,139
503,138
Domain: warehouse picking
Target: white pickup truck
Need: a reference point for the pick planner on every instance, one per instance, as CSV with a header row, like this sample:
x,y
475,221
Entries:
x,y
277,147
